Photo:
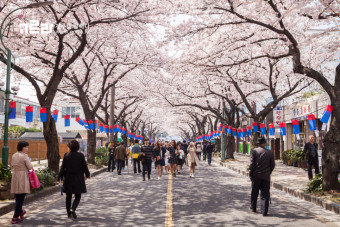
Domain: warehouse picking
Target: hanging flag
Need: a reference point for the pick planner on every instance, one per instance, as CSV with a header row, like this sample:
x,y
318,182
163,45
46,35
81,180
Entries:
x,y
123,131
80,121
229,129
255,127
296,129
283,131
234,131
311,122
55,115
86,125
12,111
106,127
101,127
225,128
115,129
243,133
43,114
271,130
220,128
249,131
91,125
239,133
110,129
29,113
67,120
325,116
263,129
95,124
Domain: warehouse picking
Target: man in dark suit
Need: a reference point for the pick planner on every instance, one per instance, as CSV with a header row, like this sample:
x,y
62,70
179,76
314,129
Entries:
x,y
311,151
261,166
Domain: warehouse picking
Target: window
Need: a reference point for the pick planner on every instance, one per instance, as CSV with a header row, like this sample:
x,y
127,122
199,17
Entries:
x,y
72,111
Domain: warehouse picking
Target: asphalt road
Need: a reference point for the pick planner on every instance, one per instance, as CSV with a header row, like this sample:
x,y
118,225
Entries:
x,y
215,197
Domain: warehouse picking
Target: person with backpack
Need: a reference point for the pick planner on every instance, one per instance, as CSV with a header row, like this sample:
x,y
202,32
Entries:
x,y
135,154
205,145
210,150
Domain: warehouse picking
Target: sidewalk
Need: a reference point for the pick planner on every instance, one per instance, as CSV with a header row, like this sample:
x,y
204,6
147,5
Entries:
x,y
289,179
8,205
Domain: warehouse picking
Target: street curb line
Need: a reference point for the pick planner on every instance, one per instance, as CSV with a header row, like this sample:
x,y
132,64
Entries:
x,y
46,192
328,205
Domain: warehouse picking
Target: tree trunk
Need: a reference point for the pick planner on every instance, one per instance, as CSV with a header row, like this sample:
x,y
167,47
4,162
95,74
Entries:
x,y
330,152
218,145
230,147
51,138
91,146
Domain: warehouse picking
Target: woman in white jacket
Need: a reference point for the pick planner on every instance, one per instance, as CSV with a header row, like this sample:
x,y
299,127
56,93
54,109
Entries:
x,y
192,160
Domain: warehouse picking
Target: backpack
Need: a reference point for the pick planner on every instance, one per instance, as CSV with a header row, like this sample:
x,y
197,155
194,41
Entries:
x,y
135,151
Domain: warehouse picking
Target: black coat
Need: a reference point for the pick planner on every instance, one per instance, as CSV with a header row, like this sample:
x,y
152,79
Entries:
x,y
262,163
72,172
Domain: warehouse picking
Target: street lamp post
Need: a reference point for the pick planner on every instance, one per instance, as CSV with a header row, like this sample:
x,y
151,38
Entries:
x,y
6,55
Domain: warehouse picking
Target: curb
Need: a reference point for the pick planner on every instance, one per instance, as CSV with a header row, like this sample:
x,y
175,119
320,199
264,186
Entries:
x,y
326,204
46,192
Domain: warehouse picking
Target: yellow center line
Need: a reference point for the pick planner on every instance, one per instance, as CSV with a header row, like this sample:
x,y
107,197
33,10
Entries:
x,y
168,219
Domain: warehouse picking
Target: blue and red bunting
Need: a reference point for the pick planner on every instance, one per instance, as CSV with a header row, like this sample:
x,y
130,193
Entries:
x,y
91,125
106,129
115,129
43,114
271,130
262,129
243,133
248,131
296,128
283,130
86,125
255,127
55,115
229,129
67,120
12,110
80,121
311,122
234,131
239,133
326,114
95,124
101,127
29,113
110,129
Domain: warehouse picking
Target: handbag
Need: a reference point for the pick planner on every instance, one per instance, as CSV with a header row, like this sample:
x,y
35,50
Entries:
x,y
34,180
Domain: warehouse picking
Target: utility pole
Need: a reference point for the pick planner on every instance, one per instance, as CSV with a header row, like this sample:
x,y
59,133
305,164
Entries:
x,y
223,138
112,111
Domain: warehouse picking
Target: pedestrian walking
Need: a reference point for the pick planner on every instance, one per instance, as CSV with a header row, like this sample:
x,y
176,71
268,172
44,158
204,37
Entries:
x,y
111,163
192,160
20,185
172,158
158,155
167,156
135,154
120,156
199,150
185,148
180,158
210,150
72,173
147,152
205,145
311,151
261,166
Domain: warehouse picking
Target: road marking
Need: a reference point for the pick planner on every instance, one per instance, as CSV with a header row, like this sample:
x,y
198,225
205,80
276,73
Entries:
x,y
168,218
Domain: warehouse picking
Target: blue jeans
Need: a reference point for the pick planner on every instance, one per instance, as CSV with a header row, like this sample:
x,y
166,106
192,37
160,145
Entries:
x,y
209,157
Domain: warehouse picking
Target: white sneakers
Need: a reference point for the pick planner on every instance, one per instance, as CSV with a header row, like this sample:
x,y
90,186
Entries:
x,y
192,175
159,178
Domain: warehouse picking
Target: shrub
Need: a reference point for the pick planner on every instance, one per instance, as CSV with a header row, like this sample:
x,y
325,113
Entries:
x,y
315,185
46,177
5,173
102,156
